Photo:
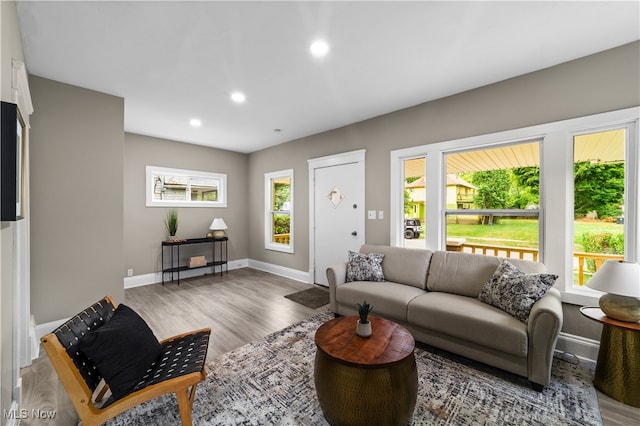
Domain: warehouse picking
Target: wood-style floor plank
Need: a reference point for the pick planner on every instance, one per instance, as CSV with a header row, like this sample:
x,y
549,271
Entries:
x,y
243,306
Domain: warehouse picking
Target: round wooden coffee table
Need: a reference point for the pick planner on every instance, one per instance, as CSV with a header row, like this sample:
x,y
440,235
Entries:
x,y
365,380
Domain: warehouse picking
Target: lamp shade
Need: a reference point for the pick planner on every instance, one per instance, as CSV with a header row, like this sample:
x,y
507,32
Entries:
x,y
218,224
617,277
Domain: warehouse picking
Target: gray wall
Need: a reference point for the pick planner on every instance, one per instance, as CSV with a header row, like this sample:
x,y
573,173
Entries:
x,y
77,169
144,226
10,48
594,84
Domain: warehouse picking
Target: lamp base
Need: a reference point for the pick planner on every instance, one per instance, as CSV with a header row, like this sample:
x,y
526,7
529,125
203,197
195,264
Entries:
x,y
218,234
621,308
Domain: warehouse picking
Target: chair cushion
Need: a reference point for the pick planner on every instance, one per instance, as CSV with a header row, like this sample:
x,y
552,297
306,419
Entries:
x,y
122,350
514,291
364,267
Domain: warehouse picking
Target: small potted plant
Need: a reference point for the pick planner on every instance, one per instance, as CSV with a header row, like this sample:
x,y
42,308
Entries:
x,y
364,325
171,222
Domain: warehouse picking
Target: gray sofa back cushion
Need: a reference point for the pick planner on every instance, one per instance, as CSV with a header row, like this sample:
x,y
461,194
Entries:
x,y
466,273
403,265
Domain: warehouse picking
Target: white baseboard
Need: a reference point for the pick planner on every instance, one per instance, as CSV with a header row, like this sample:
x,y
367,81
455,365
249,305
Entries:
x,y
585,349
35,340
282,271
44,329
156,277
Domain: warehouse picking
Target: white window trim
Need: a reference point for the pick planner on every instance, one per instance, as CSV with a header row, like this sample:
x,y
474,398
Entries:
x,y
268,243
150,202
556,168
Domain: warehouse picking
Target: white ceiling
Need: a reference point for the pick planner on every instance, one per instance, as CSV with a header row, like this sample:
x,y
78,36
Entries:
x,y
173,61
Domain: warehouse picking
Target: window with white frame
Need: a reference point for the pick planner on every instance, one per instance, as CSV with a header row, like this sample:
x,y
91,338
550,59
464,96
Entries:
x,y
598,199
278,190
166,187
492,200
549,184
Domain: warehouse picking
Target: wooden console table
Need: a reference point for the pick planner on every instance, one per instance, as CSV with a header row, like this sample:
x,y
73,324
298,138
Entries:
x,y
175,267
618,369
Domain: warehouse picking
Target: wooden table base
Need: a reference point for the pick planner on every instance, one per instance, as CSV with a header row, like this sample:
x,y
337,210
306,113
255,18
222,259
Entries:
x,y
357,396
365,381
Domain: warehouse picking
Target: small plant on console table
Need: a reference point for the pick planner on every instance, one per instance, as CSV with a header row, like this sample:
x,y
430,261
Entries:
x,y
171,222
364,325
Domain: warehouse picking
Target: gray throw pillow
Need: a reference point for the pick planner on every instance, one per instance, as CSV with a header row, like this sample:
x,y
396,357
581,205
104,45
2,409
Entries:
x,y
514,291
365,267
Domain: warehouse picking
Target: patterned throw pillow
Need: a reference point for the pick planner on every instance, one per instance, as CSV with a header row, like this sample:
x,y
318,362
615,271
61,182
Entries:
x,y
514,291
365,267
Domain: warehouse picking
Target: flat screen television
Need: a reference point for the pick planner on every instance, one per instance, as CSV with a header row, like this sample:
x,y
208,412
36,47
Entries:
x,y
11,163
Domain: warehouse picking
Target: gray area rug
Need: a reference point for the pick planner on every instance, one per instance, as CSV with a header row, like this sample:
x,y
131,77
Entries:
x,y
270,382
313,298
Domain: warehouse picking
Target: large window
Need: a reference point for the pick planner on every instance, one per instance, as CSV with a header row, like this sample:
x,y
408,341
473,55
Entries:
x,y
598,200
562,193
185,188
279,210
492,201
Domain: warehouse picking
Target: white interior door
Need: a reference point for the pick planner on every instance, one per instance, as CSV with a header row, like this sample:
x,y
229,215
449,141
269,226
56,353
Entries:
x,y
339,215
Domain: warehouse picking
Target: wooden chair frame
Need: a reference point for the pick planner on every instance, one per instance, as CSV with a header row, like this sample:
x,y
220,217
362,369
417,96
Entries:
x,y
81,394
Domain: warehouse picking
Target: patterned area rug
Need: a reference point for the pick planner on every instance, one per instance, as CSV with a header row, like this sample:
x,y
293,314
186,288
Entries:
x,y
312,297
270,382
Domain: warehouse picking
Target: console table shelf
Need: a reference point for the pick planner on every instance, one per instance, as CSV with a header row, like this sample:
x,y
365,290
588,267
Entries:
x,y
175,267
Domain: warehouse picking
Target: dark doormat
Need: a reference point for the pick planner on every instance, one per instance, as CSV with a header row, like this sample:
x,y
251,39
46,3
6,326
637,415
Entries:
x,y
312,298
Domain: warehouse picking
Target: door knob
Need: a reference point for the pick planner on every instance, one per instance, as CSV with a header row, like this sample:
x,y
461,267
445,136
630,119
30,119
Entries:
x,y
354,233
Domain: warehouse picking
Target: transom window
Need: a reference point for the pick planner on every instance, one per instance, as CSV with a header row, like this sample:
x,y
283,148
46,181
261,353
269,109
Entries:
x,y
185,188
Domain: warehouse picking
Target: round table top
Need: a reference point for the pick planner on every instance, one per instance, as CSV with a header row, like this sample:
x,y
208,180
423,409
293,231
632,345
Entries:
x,y
389,343
596,314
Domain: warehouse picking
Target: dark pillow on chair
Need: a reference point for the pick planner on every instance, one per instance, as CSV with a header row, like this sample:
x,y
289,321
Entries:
x,y
122,350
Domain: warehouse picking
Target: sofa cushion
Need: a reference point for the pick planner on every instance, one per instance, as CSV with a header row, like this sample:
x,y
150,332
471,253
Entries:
x,y
402,265
469,319
364,267
460,273
466,273
514,291
388,299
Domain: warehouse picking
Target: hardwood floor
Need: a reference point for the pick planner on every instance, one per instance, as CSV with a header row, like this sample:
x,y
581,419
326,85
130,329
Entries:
x,y
240,307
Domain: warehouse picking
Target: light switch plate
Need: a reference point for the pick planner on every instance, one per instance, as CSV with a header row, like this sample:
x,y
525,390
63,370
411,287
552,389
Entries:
x,y
372,214
380,214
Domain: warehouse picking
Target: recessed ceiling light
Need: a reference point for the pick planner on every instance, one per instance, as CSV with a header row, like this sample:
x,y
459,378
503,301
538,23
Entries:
x,y
238,97
319,48
195,122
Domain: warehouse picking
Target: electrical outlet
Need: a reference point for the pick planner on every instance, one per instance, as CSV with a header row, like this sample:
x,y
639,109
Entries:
x,y
129,272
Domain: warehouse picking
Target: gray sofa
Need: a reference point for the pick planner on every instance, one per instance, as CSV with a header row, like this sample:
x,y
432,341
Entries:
x,y
435,296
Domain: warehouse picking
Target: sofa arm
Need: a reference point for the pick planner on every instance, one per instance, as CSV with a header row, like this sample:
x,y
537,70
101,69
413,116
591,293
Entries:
x,y
543,327
336,275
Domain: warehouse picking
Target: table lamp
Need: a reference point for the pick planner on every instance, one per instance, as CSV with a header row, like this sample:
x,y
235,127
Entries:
x,y
620,281
218,226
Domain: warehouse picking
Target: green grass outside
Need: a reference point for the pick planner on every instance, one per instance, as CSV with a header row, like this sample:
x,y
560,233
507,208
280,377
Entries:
x,y
521,232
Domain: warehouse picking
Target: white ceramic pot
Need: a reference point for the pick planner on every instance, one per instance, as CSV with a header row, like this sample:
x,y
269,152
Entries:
x,y
363,330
